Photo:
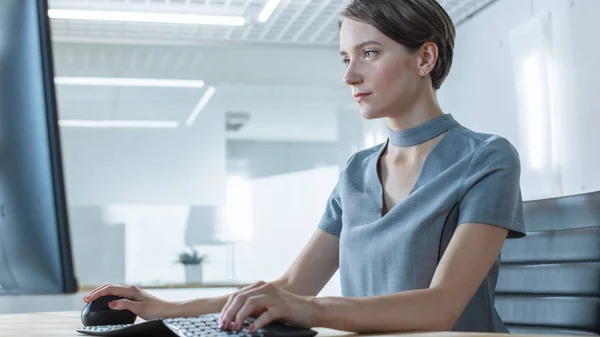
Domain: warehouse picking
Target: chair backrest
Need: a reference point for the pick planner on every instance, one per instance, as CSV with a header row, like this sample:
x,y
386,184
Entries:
x,y
549,281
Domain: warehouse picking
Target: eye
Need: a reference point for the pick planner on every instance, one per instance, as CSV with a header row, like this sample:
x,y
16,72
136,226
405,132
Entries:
x,y
370,53
346,61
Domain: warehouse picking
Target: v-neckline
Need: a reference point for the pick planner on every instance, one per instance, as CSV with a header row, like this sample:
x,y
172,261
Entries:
x,y
380,188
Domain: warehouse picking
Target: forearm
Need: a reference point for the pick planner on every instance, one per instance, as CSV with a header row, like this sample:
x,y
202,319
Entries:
x,y
418,310
300,286
199,306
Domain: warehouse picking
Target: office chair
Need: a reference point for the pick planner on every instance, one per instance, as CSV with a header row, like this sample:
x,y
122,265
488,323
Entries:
x,y
549,281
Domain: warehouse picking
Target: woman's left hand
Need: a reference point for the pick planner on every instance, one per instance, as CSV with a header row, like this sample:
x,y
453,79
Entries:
x,y
267,303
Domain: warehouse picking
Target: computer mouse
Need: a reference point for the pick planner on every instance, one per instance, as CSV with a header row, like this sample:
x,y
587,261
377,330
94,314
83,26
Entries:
x,y
99,313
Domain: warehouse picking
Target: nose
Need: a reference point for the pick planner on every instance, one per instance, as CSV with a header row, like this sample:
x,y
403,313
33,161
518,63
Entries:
x,y
352,75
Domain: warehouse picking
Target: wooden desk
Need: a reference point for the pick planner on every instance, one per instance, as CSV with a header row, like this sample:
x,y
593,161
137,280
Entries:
x,y
63,324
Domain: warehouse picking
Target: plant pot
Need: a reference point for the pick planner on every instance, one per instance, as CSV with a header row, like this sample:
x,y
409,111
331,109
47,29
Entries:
x,y
193,273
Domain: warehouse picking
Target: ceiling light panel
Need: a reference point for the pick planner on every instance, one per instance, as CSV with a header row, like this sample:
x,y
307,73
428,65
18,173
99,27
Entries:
x,y
128,82
104,124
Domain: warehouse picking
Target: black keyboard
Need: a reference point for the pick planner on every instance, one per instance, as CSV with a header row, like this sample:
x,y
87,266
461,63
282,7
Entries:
x,y
201,326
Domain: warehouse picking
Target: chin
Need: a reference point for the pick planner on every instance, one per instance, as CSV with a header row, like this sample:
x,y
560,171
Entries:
x,y
368,113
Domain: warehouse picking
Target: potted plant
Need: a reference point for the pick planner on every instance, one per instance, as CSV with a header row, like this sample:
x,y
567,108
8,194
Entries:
x,y
192,263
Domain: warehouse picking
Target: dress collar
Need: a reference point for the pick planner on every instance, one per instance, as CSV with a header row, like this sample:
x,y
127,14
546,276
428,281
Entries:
x,y
422,133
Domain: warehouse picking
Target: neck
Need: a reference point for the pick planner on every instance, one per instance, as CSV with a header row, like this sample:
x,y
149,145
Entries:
x,y
423,109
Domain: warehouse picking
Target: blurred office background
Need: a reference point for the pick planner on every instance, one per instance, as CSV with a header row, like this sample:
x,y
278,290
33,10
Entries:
x,y
228,139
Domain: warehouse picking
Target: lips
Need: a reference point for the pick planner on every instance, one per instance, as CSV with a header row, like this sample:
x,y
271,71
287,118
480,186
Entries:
x,y
360,96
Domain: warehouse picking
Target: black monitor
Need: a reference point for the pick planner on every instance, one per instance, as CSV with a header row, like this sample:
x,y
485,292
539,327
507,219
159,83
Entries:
x,y
35,247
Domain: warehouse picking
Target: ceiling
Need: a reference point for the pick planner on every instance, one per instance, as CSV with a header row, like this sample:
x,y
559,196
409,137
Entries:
x,y
293,21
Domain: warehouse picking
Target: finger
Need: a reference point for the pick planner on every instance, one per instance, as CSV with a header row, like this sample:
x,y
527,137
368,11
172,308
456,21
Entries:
x,y
232,296
237,302
224,318
92,295
122,291
224,309
262,320
132,306
253,304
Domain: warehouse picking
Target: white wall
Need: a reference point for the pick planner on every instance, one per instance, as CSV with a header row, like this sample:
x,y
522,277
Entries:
x,y
284,113
287,209
356,133
139,245
576,26
254,159
277,112
143,180
147,166
99,246
481,91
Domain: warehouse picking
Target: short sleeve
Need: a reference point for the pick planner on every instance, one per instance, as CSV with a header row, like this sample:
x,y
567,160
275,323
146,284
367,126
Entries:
x,y
490,190
331,221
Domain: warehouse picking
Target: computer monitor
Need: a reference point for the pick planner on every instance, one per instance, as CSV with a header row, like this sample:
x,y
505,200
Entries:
x,y
35,251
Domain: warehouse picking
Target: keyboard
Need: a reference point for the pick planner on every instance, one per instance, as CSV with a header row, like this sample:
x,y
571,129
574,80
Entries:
x,y
200,326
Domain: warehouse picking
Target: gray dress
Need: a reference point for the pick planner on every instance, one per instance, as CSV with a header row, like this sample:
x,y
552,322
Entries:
x,y
468,177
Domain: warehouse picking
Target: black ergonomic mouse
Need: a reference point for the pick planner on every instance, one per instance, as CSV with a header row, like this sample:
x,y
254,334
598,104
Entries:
x,y
99,313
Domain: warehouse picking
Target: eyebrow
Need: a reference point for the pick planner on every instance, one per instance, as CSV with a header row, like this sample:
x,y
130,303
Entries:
x,y
362,45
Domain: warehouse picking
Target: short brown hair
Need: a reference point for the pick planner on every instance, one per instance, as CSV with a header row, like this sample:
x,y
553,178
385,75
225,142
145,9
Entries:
x,y
410,23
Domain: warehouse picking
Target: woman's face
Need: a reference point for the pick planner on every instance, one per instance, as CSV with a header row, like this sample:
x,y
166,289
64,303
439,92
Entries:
x,y
383,74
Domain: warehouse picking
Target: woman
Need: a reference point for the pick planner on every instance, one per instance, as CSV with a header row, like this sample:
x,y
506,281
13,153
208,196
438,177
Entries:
x,y
415,225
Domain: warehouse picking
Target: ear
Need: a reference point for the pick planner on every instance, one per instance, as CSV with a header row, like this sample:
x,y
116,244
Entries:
x,y
428,54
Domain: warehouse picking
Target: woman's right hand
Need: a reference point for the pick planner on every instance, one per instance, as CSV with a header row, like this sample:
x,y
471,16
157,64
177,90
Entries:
x,y
136,300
